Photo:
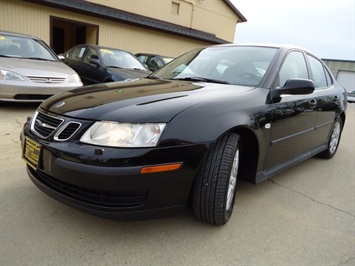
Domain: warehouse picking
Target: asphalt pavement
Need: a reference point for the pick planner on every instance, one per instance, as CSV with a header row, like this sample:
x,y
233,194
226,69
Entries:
x,y
303,216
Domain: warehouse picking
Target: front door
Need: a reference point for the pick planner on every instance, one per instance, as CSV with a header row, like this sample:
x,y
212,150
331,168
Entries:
x,y
293,117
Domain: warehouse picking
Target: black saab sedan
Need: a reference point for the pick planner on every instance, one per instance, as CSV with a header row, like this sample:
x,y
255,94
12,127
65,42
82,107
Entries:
x,y
144,149
98,64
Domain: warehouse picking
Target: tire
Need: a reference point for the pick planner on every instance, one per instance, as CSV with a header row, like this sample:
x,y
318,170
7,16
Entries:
x,y
215,182
334,140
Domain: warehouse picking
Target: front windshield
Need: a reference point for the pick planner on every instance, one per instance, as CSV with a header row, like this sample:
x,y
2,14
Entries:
x,y
239,65
120,59
23,47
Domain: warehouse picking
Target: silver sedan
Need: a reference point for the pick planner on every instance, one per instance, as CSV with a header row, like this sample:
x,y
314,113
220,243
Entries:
x,y
30,71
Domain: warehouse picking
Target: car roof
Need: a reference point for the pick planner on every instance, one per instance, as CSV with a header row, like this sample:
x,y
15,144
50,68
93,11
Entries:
x,y
101,47
279,46
16,34
151,54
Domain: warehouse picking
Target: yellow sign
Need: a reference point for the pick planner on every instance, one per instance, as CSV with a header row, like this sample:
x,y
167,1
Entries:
x,y
31,152
106,51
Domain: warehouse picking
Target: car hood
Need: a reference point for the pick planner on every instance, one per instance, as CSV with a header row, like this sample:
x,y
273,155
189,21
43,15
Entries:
x,y
146,100
38,68
128,73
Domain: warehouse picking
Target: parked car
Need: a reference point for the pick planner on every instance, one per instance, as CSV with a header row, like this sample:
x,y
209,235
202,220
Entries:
x,y
30,71
154,61
141,149
97,64
351,97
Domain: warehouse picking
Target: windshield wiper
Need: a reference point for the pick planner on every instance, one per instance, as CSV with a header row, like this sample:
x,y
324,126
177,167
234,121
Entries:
x,y
203,80
36,58
116,67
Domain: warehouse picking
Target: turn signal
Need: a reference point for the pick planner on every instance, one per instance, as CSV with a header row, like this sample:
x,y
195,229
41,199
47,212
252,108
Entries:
x,y
160,168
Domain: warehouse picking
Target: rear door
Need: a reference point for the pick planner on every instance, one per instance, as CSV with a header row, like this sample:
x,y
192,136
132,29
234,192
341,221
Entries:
x,y
326,101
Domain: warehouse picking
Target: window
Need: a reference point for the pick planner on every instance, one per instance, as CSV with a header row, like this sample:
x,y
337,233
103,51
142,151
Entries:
x,y
14,46
143,58
155,62
318,74
91,53
294,66
239,65
329,78
77,53
175,8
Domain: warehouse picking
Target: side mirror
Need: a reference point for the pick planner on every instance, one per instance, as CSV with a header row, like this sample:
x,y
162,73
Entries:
x,y
94,62
61,57
295,87
153,68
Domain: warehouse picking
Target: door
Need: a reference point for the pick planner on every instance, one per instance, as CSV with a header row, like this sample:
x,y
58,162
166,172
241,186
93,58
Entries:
x,y
74,59
58,40
326,100
93,73
346,79
293,116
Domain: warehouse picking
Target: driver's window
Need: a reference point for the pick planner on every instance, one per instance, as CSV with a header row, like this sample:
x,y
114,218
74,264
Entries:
x,y
77,53
294,66
91,53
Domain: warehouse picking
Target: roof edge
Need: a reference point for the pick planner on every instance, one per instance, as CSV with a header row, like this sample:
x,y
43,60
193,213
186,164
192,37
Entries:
x,y
338,60
236,11
90,8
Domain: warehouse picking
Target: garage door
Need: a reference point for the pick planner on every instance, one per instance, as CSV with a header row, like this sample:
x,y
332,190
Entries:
x,y
346,79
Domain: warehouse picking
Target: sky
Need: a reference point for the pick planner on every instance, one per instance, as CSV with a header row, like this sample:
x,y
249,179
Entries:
x,y
324,27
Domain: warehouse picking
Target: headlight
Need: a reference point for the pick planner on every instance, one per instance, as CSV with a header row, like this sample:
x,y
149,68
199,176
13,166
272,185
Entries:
x,y
74,78
123,134
10,75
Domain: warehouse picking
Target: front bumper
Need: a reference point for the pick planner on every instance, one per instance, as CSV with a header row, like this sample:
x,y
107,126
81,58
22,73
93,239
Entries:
x,y
111,185
24,91
111,212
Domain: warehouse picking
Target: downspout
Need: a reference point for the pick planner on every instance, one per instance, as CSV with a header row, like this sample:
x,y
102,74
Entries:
x,y
192,12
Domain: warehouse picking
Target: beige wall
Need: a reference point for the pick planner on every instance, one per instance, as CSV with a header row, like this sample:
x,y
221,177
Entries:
x,y
34,19
212,16
25,18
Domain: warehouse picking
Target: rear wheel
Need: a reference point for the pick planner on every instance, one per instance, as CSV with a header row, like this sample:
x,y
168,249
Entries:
x,y
216,180
334,140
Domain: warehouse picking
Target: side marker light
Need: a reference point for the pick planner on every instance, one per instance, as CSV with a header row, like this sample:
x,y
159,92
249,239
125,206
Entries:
x,y
160,168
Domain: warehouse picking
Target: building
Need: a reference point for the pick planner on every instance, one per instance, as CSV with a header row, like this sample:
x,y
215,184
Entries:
x,y
168,27
343,71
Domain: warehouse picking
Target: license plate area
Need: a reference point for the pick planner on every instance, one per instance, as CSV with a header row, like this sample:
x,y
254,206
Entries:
x,y
31,152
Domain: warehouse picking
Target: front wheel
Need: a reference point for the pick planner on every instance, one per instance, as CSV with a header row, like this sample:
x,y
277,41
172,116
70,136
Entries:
x,y
216,180
334,140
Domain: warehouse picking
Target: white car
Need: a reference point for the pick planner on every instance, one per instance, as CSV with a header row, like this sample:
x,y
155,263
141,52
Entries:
x,y
351,97
30,71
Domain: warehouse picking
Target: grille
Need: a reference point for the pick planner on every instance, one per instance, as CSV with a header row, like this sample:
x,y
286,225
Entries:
x,y
31,97
67,131
46,79
44,125
98,197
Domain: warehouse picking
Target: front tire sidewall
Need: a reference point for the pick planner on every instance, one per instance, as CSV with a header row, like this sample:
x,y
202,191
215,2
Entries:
x,y
216,177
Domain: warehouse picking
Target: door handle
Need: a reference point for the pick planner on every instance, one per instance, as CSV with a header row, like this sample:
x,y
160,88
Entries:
x,y
312,103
